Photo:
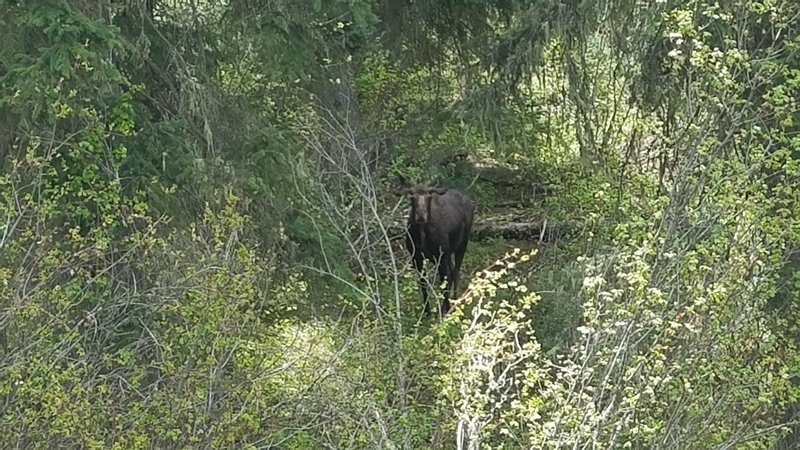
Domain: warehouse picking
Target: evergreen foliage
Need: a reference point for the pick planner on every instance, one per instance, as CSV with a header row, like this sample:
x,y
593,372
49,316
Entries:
x,y
201,218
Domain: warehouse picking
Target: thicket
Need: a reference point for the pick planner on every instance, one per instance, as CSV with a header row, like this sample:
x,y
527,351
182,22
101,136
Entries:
x,y
201,223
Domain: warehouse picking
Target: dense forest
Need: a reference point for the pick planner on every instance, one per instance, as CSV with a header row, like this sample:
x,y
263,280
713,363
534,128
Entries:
x,y
203,211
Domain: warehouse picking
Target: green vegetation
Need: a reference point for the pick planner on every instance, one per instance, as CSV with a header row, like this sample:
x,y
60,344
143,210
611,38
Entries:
x,y
201,224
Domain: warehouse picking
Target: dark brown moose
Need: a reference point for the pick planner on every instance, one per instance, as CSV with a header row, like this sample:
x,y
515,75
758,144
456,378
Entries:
x,y
439,225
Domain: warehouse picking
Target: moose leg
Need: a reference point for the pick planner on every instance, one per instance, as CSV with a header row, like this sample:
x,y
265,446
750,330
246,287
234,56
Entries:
x,y
423,282
456,269
445,271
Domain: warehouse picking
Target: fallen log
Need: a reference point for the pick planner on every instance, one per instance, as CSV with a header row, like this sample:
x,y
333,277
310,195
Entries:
x,y
541,231
506,177
519,204
518,182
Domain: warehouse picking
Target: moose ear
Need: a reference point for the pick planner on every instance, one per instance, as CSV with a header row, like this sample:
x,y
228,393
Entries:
x,y
439,190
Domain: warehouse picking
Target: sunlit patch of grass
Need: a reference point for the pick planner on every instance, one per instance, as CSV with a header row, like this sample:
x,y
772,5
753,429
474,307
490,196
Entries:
x,y
306,351
558,311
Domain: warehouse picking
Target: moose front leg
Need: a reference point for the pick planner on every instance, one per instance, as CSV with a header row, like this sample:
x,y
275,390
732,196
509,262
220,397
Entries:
x,y
445,273
455,275
423,283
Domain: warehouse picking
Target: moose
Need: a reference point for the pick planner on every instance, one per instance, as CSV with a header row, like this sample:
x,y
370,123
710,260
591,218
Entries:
x,y
439,226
